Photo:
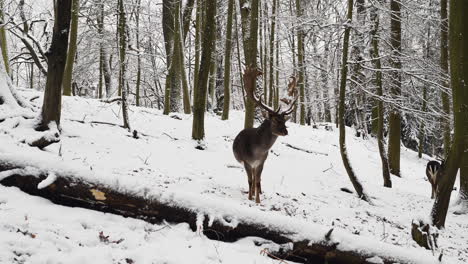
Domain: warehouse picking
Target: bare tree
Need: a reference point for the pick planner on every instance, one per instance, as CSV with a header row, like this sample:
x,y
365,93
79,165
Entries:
x,y
344,71
56,57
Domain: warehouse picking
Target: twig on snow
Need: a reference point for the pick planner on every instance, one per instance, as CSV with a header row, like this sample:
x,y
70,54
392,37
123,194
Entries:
x,y
305,150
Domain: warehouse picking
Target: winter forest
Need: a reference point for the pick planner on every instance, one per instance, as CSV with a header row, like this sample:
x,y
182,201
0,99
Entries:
x,y
233,131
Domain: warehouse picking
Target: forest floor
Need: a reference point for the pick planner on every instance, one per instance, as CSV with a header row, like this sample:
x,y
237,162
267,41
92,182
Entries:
x,y
295,183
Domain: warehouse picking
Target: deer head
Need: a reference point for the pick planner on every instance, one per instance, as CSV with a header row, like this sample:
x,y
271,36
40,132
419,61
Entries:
x,y
277,117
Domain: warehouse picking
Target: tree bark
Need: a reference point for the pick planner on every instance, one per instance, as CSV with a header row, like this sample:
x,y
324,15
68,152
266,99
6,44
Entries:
x,y
463,197
427,54
300,62
344,71
271,54
3,41
199,104
52,105
212,76
179,49
251,56
458,46
444,66
68,74
380,107
394,133
138,77
172,86
227,62
357,54
198,26
186,17
422,132
123,63
276,100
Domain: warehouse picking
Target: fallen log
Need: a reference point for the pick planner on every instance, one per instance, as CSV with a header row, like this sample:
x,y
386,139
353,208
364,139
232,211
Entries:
x,y
325,246
305,150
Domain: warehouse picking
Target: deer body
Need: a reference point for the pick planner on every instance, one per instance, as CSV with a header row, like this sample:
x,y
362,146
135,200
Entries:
x,y
251,145
432,169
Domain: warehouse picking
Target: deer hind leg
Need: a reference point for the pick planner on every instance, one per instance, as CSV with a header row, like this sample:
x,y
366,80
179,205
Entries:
x,y
250,176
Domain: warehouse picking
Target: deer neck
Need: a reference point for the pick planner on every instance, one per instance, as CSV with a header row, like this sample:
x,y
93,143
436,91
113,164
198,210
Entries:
x,y
266,137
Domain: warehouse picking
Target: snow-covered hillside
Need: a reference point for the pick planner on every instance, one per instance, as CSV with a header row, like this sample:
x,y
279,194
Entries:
x,y
296,184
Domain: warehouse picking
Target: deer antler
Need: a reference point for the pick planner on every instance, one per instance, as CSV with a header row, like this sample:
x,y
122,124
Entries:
x,y
250,75
292,91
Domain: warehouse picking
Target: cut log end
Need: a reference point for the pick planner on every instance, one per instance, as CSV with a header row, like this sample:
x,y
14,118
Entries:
x,y
424,235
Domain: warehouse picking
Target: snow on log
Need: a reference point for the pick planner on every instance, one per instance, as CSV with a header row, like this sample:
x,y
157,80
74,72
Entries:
x,y
223,220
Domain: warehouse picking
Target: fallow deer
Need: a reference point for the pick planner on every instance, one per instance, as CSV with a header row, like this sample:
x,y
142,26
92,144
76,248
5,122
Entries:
x,y
432,173
251,145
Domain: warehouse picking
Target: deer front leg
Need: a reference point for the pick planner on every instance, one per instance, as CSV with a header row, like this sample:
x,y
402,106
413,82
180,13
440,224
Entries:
x,y
433,191
257,189
250,176
259,172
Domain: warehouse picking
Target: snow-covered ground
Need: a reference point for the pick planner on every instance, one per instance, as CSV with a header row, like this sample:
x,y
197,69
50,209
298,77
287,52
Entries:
x,y
296,184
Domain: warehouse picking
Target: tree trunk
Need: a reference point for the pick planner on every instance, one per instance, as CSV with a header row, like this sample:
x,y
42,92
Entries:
x,y
422,133
239,64
123,63
444,66
458,33
179,49
198,26
52,105
227,62
100,27
344,71
463,197
68,74
3,41
175,29
394,133
300,62
251,57
294,57
199,104
103,60
272,49
212,76
380,107
172,86
357,54
276,101
138,77
186,17
326,82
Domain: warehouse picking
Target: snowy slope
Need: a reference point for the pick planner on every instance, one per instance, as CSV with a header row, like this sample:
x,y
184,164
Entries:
x,y
303,186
